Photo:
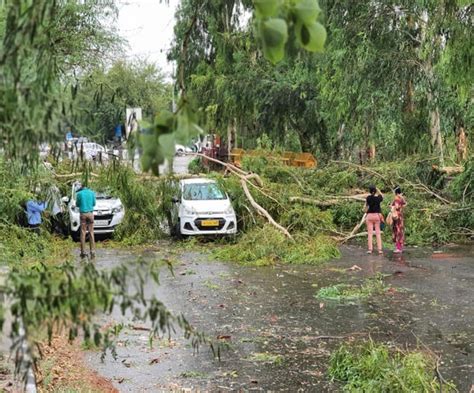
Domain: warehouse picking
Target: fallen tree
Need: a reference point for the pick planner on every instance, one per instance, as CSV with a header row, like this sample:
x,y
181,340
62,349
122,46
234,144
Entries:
x,y
245,180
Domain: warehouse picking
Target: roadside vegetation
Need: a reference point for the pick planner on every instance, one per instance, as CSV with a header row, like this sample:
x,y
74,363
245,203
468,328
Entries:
x,y
370,367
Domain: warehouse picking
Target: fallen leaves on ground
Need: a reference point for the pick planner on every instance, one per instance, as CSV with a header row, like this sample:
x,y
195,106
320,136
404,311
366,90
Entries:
x,y
62,368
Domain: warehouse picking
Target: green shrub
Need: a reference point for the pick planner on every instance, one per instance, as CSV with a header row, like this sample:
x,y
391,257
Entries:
x,y
371,367
462,186
372,286
267,245
308,219
148,204
255,164
348,214
22,247
195,166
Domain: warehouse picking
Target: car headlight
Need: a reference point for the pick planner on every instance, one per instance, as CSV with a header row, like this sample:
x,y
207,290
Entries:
x,y
187,211
117,209
229,210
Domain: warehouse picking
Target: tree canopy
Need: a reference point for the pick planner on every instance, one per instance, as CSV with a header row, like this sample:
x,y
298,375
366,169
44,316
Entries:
x,y
395,75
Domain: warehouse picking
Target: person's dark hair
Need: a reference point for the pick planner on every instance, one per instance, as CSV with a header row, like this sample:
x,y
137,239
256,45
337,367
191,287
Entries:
x,y
397,190
372,190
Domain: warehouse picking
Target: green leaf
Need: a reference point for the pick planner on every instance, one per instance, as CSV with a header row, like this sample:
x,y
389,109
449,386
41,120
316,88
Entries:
x,y
164,121
267,8
311,37
307,11
274,34
167,143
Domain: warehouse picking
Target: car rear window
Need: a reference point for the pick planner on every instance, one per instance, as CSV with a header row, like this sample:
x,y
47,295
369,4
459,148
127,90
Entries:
x,y
203,192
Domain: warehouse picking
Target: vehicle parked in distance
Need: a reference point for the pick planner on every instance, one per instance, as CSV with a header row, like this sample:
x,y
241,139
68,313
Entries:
x,y
90,151
108,213
203,208
181,150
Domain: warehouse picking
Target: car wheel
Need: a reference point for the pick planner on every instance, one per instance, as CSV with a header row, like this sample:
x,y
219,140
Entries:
x,y
76,235
177,231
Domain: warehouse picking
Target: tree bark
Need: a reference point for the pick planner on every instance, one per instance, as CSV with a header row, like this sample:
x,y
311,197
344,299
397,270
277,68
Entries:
x,y
339,141
435,130
461,145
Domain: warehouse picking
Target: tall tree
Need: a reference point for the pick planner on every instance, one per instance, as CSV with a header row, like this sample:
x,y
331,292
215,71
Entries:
x,y
105,93
45,44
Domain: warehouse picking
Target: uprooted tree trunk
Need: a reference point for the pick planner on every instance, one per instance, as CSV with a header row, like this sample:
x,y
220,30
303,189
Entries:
x,y
254,180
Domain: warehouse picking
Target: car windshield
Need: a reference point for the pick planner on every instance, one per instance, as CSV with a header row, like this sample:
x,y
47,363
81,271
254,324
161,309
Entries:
x,y
203,192
103,195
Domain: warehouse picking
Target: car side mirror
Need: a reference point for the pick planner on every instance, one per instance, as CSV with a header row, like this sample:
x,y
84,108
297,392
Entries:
x,y
174,200
65,199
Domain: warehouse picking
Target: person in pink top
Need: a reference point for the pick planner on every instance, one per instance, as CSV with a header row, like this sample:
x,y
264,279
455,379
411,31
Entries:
x,y
374,218
398,226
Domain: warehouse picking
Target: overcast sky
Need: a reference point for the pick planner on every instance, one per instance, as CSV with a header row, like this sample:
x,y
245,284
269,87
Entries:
x,y
148,27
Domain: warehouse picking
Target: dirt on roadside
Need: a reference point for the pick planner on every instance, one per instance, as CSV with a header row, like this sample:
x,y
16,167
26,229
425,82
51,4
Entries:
x,y
62,367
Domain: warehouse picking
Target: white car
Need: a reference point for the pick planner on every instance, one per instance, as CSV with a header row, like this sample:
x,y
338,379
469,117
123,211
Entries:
x,y
203,208
108,213
181,150
91,151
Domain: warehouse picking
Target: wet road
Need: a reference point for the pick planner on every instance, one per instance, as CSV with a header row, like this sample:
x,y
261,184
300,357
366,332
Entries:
x,y
273,323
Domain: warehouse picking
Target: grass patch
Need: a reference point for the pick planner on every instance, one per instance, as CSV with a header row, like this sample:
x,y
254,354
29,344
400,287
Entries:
x,y
372,286
266,357
371,367
267,246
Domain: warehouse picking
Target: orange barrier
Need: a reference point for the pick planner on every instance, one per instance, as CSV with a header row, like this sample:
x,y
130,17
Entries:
x,y
236,156
303,160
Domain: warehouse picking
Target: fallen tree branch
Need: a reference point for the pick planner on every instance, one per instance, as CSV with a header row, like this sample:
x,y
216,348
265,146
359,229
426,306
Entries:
x,y
448,170
76,174
357,227
333,200
245,180
365,169
260,209
354,233
311,201
232,168
421,186
347,238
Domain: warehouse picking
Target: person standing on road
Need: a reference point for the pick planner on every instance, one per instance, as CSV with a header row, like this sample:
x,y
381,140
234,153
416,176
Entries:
x,y
374,217
33,212
398,225
85,201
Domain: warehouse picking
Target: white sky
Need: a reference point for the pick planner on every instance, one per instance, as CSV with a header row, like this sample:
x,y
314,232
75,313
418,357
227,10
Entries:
x,y
147,25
